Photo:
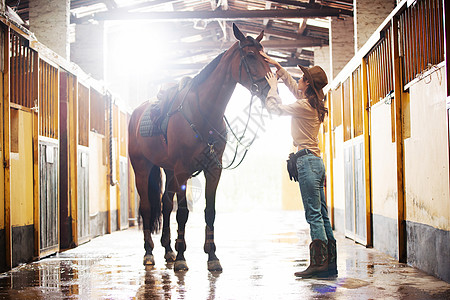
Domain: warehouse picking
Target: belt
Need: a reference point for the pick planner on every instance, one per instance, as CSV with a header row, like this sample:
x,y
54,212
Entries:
x,y
303,152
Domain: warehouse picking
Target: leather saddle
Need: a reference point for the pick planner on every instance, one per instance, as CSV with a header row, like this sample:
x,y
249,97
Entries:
x,y
155,118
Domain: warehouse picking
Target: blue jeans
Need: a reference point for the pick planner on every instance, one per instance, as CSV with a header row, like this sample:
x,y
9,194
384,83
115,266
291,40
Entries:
x,y
311,177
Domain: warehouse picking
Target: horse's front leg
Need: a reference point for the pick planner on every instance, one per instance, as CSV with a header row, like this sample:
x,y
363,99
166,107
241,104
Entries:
x,y
167,200
182,216
212,180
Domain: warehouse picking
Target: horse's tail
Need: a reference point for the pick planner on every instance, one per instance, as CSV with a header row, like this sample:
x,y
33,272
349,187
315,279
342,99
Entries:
x,y
154,196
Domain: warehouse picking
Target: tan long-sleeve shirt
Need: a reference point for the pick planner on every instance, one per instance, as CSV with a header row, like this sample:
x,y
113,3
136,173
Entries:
x,y
305,122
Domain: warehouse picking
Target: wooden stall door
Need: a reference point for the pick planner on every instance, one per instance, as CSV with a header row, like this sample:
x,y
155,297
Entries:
x,y
49,165
123,192
123,169
48,214
68,161
48,182
360,191
349,192
23,149
83,195
65,221
355,191
355,156
83,164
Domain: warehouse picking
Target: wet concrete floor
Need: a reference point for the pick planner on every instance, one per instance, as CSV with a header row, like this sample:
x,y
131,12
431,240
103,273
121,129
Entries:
x,y
259,253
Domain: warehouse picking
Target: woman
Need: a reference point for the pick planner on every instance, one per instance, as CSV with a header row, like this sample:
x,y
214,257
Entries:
x,y
307,113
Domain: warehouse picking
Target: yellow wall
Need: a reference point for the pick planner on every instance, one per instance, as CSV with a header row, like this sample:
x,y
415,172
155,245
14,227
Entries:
x,y
2,194
133,191
97,173
291,198
22,170
338,168
426,154
384,166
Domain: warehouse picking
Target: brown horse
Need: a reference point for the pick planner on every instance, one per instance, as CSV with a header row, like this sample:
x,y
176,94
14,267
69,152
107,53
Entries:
x,y
194,142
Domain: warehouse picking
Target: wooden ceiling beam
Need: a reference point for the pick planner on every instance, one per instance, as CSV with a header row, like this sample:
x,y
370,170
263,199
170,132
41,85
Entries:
x,y
312,4
216,15
270,31
268,44
143,5
291,2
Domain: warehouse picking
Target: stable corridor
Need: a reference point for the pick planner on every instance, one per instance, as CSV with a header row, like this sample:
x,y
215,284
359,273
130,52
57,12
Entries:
x,y
259,252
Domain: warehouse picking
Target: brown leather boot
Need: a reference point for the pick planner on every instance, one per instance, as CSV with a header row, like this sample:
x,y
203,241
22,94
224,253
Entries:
x,y
332,258
318,265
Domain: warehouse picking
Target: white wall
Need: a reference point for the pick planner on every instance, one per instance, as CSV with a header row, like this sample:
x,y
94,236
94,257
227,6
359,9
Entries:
x,y
427,154
384,164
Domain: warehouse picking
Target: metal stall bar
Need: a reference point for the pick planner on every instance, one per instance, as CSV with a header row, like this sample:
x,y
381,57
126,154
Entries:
x,y
422,35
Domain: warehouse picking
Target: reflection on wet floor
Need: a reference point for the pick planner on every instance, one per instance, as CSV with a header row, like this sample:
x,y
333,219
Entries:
x,y
259,252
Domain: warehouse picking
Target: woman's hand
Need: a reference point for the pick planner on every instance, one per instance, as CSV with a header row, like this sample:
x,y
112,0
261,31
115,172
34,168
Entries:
x,y
272,80
270,60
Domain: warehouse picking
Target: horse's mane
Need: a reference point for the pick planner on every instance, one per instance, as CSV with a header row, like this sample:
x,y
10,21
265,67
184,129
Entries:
x,y
207,70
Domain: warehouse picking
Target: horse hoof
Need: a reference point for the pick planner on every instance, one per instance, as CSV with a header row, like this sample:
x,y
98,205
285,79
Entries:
x,y
149,260
214,266
180,265
170,257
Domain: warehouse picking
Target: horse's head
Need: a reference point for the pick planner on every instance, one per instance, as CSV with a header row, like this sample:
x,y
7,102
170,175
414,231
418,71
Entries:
x,y
252,67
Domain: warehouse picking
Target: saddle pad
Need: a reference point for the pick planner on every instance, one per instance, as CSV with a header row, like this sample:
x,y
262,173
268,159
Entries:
x,y
148,126
152,125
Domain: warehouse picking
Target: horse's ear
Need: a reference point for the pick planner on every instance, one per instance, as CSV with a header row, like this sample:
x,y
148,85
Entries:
x,y
237,33
260,36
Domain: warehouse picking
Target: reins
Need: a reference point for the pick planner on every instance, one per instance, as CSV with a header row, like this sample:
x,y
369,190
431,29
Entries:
x,y
254,89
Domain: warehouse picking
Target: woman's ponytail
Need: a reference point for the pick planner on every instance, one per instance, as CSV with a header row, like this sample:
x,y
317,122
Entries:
x,y
316,103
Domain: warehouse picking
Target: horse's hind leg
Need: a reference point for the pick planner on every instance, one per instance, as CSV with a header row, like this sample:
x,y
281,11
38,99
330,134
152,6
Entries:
x,y
148,181
182,216
144,210
212,180
167,200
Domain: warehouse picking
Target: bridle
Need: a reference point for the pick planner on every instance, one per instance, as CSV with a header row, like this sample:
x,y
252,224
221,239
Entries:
x,y
255,90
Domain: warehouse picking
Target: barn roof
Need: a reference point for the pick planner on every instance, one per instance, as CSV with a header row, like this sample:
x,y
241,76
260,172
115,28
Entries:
x,y
292,27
